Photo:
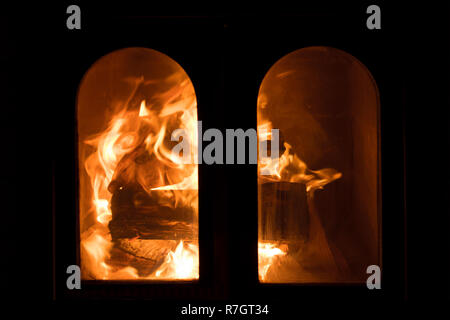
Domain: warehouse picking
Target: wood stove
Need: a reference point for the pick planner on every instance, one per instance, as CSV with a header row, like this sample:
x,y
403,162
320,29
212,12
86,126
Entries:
x,y
333,207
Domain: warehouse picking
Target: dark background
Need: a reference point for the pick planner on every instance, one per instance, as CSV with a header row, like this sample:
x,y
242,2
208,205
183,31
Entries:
x,y
226,52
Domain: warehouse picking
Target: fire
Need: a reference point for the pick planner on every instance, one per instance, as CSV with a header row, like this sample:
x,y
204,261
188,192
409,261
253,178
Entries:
x,y
143,112
289,167
135,150
181,263
267,255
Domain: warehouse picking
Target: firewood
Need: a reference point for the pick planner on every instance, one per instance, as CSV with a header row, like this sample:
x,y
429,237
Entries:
x,y
154,250
283,211
135,213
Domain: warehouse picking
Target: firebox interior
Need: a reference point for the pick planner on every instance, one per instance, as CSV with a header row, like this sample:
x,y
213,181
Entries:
x,y
319,210
138,209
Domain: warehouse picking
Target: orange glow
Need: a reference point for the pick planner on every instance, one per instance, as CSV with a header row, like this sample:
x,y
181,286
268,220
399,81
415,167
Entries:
x,y
267,255
180,264
289,167
324,107
143,131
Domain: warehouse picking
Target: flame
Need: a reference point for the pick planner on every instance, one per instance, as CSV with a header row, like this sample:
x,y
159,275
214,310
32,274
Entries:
x,y
267,255
143,112
289,167
181,263
135,133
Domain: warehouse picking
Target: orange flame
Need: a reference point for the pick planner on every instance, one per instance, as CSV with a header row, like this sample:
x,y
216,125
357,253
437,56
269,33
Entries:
x,y
180,264
289,167
267,254
132,132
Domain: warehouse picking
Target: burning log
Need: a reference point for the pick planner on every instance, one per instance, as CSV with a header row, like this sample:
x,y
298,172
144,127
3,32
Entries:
x,y
289,218
284,211
147,249
145,226
135,213
144,213
143,255
142,198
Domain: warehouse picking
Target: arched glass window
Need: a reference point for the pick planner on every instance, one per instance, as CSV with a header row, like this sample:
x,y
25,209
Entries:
x,y
319,201
138,208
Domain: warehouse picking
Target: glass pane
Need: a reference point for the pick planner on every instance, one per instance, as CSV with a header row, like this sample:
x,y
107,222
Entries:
x,y
319,200
138,208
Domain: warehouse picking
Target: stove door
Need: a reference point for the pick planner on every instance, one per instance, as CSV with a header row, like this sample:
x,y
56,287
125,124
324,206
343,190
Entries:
x,y
138,181
318,187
